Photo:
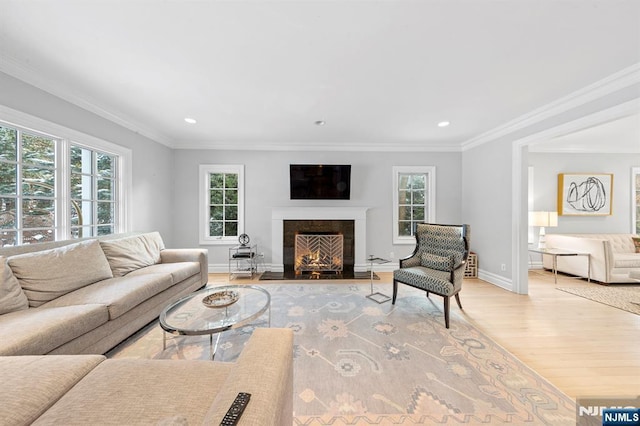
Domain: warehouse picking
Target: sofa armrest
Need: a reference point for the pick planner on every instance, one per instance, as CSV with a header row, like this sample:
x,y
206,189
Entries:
x,y
188,255
265,370
600,253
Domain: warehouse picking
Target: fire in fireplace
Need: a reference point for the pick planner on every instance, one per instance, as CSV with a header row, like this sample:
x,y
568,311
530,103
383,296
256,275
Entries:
x,y
318,253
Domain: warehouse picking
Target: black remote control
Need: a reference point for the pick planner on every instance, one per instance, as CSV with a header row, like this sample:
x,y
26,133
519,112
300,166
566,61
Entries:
x,y
236,409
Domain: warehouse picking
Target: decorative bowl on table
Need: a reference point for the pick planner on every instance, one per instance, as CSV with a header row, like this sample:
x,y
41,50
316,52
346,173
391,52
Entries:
x,y
221,299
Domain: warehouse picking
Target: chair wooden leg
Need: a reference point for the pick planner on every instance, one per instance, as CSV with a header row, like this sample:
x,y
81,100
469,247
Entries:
x,y
446,311
395,292
427,293
458,300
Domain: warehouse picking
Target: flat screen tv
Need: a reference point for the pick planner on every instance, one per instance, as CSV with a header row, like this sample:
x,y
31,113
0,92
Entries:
x,y
320,181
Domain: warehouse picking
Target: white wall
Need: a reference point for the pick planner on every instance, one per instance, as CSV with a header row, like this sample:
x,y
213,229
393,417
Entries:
x,y
151,181
546,167
267,186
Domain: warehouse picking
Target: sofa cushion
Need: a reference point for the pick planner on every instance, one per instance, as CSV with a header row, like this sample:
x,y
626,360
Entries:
x,y
623,260
148,390
433,261
48,274
426,279
131,253
119,295
178,271
37,331
12,298
37,382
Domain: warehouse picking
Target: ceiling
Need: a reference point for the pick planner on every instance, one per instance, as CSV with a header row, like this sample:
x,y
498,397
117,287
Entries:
x,y
259,74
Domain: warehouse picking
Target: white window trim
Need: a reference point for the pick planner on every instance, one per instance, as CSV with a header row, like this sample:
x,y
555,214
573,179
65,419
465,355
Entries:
x,y
205,170
635,171
431,200
67,137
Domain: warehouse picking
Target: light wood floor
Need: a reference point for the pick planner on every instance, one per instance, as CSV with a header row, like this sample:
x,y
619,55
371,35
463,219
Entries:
x,y
583,347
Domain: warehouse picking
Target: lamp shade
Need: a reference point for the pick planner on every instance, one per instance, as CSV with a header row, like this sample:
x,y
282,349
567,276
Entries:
x,y
543,219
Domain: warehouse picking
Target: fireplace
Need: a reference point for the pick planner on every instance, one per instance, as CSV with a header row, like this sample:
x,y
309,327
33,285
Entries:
x,y
317,218
318,246
318,253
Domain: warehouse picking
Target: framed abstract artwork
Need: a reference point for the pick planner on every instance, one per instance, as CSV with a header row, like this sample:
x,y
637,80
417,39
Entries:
x,y
585,194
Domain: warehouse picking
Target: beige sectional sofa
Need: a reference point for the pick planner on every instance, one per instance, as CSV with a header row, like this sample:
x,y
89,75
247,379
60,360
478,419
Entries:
x,y
86,296
613,256
92,390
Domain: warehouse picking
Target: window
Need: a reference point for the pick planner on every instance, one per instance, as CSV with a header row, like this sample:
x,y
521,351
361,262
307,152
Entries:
x,y
93,192
221,203
70,185
635,200
27,187
413,200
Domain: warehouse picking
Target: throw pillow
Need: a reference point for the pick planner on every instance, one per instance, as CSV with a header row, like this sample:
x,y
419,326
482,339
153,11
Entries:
x,y
48,274
433,261
12,298
636,243
128,254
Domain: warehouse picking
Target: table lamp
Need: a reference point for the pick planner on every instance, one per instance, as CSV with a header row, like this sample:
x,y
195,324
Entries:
x,y
543,219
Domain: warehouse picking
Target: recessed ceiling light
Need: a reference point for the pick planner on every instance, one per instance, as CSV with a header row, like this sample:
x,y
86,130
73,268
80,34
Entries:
x,y
320,123
443,124
190,120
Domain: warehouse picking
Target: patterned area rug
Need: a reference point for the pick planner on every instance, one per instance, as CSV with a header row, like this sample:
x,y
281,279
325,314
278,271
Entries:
x,y
625,297
362,363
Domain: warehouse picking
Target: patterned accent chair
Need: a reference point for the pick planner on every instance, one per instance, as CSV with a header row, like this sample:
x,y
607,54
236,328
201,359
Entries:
x,y
437,264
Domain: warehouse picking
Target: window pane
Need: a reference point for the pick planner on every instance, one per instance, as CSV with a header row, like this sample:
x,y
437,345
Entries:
x,y
231,229
38,181
418,214
418,197
8,173
403,181
105,229
37,236
404,229
106,165
418,182
105,189
38,150
404,212
7,212
81,187
216,180
105,213
231,213
215,229
76,214
231,181
82,232
8,139
216,212
37,213
231,197
217,197
404,197
8,238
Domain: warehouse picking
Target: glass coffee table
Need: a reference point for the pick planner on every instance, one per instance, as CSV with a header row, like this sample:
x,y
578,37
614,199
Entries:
x,y
213,310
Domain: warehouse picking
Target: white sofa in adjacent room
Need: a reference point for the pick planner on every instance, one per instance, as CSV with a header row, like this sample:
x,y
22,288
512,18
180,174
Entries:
x,y
613,256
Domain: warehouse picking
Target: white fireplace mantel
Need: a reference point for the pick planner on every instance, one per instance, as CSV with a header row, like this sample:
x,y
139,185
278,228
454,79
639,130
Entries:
x,y
357,214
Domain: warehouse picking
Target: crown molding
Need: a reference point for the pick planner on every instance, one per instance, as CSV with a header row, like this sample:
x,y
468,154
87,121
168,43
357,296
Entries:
x,y
318,147
28,74
608,85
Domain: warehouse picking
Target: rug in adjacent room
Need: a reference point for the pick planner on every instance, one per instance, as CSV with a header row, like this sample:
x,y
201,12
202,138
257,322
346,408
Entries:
x,y
362,363
625,297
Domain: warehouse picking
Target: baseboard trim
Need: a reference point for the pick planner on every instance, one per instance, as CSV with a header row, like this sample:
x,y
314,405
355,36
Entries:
x,y
496,280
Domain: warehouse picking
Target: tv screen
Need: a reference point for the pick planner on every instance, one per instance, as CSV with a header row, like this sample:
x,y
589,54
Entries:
x,y
320,181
